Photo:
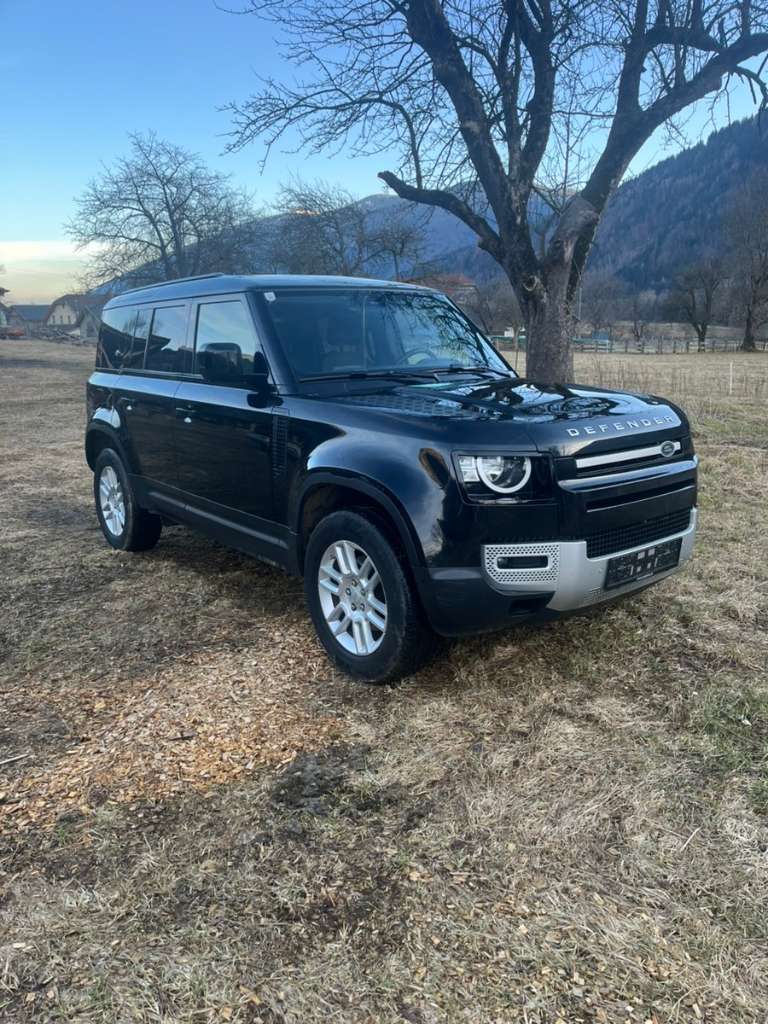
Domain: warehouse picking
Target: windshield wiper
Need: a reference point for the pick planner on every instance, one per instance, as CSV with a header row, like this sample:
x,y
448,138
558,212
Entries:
x,y
373,375
475,368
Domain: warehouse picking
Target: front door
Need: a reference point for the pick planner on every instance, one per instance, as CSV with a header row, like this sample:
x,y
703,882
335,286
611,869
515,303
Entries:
x,y
222,440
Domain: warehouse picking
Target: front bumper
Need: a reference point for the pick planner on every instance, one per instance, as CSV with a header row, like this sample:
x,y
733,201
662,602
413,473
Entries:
x,y
564,580
576,580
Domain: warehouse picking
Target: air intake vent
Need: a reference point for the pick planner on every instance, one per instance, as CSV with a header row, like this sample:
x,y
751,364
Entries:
x,y
625,537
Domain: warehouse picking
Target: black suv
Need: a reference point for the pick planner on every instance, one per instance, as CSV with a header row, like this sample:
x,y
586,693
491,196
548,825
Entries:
x,y
367,436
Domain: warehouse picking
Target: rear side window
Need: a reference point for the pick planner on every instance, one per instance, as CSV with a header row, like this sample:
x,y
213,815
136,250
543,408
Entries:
x,y
226,327
166,347
140,327
115,336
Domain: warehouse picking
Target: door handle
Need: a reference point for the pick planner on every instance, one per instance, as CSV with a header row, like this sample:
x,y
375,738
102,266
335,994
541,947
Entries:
x,y
184,414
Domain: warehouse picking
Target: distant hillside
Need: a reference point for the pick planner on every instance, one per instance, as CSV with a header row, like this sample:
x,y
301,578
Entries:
x,y
664,218
670,214
657,222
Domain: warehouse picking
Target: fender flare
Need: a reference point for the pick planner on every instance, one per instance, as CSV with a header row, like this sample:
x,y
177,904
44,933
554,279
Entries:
x,y
105,430
371,489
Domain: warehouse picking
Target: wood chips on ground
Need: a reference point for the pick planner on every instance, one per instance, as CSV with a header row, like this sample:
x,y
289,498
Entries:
x,y
209,723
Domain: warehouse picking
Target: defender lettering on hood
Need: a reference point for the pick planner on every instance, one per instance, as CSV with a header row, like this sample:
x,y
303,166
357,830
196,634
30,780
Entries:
x,y
605,428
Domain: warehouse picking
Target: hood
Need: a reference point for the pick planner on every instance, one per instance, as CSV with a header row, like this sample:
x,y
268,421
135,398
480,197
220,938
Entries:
x,y
558,418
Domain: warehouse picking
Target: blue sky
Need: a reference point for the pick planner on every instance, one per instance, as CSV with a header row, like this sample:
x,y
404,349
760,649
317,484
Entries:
x,y
78,76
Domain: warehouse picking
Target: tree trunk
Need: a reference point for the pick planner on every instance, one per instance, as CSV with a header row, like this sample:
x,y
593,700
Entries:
x,y
748,342
701,332
549,331
545,293
549,355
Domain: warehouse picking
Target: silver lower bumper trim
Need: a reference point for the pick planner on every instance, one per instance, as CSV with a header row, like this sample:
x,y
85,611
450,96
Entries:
x,y
577,581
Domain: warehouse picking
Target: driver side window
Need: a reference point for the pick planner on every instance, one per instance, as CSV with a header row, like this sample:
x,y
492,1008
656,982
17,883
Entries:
x,y
226,328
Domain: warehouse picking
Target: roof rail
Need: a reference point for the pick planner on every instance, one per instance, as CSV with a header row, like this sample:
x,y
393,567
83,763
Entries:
x,y
162,284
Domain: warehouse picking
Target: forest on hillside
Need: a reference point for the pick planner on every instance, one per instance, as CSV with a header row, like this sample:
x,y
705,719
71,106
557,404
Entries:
x,y
671,214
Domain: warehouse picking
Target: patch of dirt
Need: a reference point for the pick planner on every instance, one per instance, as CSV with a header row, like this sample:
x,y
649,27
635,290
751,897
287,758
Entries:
x,y
314,782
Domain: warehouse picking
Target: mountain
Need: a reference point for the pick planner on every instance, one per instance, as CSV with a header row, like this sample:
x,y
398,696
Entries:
x,y
662,219
670,215
657,222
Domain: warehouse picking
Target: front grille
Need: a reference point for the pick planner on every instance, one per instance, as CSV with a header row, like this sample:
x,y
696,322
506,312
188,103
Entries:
x,y
625,537
618,459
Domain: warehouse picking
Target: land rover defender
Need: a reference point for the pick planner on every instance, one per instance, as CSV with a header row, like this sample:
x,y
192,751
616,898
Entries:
x,y
367,436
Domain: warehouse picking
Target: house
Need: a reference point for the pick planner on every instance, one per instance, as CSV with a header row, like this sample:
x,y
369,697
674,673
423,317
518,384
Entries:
x,y
90,318
30,317
461,289
66,311
76,314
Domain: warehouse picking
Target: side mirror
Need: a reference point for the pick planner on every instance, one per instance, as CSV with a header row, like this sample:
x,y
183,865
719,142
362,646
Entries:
x,y
261,393
260,368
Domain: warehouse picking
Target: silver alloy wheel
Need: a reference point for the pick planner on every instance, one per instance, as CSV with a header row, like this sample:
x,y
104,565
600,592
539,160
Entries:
x,y
112,501
352,597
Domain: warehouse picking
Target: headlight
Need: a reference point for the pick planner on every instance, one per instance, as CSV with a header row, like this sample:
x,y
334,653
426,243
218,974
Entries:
x,y
504,474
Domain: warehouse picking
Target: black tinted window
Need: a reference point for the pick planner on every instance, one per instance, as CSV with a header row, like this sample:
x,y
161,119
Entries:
x,y
167,340
140,328
226,328
115,335
344,331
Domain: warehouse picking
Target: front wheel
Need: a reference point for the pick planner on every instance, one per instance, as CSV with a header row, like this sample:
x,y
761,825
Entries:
x,y
124,525
362,603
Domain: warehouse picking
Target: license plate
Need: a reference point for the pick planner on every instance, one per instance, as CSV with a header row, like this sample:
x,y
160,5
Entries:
x,y
639,565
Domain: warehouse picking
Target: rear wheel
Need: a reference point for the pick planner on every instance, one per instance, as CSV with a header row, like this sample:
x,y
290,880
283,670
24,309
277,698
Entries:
x,y
124,525
362,603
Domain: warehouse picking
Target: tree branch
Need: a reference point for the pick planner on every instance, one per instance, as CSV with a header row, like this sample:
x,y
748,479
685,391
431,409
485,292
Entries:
x,y
489,239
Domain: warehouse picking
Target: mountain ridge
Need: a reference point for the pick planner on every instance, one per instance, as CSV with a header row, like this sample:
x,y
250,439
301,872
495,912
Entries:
x,y
659,221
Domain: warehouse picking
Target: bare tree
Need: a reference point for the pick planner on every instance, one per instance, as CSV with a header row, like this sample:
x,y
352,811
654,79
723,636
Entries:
x,y
494,307
746,233
695,290
400,239
694,295
641,310
328,223
160,213
324,229
479,98
603,296
3,291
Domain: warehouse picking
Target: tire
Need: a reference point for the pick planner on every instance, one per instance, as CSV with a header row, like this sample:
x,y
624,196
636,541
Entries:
x,y
363,605
125,526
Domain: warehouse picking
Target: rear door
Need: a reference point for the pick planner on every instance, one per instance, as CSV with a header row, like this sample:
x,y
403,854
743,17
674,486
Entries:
x,y
161,353
222,439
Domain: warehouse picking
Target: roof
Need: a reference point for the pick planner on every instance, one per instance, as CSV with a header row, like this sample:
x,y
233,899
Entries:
x,y
94,311
220,284
31,313
76,301
81,302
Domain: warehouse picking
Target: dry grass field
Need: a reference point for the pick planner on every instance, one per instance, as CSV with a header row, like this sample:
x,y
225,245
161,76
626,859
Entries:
x,y
200,821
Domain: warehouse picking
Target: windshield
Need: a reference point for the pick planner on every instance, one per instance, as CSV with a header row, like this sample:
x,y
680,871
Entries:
x,y
358,332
